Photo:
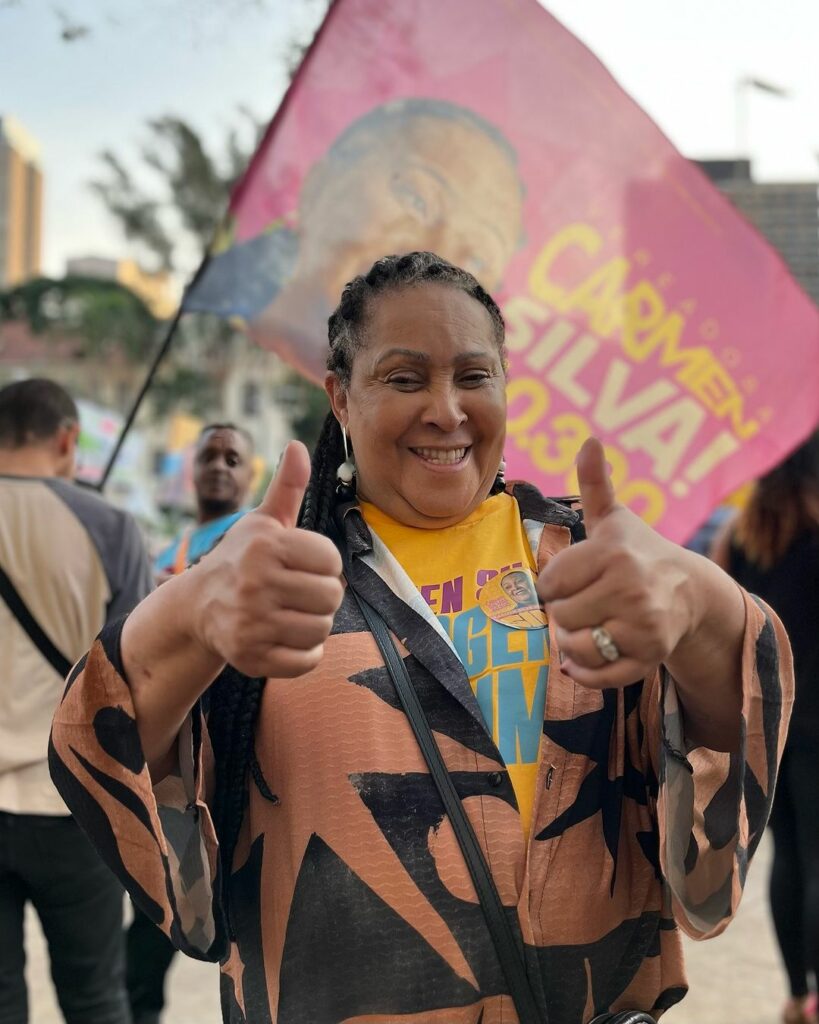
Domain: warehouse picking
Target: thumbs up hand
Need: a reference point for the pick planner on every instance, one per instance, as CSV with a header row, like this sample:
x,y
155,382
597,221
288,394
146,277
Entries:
x,y
266,594
619,602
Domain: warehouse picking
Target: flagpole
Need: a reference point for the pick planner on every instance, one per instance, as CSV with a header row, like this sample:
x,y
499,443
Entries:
x,y
161,352
169,334
132,413
743,87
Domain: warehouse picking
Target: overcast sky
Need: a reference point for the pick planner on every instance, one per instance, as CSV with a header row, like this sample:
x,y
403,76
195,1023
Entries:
x,y
202,58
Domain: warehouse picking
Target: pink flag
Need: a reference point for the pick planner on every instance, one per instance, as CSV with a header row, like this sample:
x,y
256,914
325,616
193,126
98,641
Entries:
x,y
640,306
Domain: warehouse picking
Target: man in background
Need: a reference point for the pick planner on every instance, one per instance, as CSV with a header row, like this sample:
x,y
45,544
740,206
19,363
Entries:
x,y
69,563
222,475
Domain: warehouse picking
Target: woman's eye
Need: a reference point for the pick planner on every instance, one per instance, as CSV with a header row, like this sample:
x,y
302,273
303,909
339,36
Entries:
x,y
475,378
402,381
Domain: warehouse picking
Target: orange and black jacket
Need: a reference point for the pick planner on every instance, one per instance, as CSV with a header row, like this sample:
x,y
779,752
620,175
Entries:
x,y
347,899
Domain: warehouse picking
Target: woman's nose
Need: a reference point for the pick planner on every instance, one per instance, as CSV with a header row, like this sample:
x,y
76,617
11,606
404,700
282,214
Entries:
x,y
444,409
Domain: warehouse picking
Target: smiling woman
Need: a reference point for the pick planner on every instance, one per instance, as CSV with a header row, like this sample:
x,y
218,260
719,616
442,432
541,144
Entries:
x,y
293,830
424,405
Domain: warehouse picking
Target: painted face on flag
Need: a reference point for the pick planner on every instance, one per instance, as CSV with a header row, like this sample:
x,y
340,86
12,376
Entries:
x,y
412,175
428,182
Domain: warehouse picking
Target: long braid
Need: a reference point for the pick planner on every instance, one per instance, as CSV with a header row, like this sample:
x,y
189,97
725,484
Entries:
x,y
319,498
234,699
234,705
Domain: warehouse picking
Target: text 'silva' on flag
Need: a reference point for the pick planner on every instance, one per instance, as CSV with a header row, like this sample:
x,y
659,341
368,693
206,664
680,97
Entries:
x,y
640,306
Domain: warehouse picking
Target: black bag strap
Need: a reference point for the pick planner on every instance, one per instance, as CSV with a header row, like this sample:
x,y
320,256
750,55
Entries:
x,y
624,1017
34,631
507,949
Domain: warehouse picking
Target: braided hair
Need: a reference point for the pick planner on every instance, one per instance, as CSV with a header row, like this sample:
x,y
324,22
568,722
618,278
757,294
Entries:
x,y
347,325
235,699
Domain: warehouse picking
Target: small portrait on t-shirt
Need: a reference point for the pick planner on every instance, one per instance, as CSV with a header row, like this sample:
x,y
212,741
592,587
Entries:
x,y
511,598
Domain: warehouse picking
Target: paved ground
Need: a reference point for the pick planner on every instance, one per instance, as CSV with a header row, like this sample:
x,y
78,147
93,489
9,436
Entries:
x,y
735,979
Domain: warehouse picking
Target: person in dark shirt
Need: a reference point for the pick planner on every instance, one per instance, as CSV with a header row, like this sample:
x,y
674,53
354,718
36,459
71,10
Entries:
x,y
772,549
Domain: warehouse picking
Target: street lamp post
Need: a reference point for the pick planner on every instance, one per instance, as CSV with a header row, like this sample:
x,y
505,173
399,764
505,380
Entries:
x,y
743,87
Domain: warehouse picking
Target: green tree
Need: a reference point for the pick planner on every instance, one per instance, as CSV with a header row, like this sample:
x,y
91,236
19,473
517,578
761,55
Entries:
x,y
72,29
309,405
105,319
179,217
168,200
104,315
192,186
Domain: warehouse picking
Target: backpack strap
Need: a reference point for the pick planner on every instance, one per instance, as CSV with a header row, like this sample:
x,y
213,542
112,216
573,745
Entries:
x,y
32,627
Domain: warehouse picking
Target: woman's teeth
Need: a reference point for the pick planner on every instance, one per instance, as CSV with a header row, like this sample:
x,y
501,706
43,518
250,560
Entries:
x,y
441,456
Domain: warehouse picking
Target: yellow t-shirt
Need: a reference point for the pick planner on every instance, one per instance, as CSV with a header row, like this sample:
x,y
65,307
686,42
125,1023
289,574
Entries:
x,y
477,577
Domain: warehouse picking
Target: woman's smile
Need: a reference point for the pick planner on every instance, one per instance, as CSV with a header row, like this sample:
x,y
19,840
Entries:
x,y
443,458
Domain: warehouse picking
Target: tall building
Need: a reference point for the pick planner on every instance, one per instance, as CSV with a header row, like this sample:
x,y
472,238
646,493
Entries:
x,y
786,213
21,204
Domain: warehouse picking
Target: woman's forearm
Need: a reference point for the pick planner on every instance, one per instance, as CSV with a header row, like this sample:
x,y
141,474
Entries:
x,y
263,600
167,669
707,663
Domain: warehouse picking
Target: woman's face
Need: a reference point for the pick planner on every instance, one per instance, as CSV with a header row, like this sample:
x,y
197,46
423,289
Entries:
x,y
426,405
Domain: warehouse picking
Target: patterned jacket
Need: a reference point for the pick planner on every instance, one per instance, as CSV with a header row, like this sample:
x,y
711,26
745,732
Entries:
x,y
348,900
